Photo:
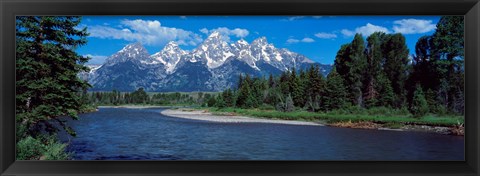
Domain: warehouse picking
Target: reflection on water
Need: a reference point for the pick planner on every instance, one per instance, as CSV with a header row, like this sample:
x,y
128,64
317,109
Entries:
x,y
145,134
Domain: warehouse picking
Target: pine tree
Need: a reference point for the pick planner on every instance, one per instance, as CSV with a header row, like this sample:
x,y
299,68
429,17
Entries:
x,y
284,82
448,48
245,99
228,97
46,70
350,63
396,66
375,59
296,88
289,105
335,92
386,96
419,106
218,102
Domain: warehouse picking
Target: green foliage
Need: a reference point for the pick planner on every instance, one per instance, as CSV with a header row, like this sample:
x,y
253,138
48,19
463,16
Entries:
x,y
350,63
287,105
47,66
29,148
212,101
335,92
396,66
363,115
438,66
42,147
419,105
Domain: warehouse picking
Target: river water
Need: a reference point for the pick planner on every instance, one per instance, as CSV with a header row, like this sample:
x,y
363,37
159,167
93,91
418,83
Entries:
x,y
145,134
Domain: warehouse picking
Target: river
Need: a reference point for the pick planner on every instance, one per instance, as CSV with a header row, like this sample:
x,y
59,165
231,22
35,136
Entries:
x,y
145,134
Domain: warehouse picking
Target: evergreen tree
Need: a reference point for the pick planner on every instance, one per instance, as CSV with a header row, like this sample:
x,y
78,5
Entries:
x,y
271,81
335,92
47,66
350,63
212,101
448,47
419,106
386,96
375,59
228,97
284,82
244,97
396,66
296,88
220,102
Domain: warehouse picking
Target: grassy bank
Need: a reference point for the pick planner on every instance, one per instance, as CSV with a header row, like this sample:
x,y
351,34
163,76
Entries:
x,y
389,119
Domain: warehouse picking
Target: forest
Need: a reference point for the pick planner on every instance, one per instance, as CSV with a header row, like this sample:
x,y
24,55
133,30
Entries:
x,y
373,79
371,73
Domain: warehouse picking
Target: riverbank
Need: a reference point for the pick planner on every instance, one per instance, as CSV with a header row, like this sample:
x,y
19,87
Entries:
x,y
344,121
208,116
141,106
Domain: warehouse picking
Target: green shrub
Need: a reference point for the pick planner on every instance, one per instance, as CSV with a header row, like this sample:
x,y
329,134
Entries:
x,y
42,147
29,148
55,150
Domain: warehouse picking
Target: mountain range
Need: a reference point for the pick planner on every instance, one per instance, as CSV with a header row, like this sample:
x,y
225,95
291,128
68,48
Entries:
x,y
212,66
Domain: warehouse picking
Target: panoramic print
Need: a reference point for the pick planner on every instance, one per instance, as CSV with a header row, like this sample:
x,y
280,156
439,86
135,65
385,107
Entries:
x,y
368,88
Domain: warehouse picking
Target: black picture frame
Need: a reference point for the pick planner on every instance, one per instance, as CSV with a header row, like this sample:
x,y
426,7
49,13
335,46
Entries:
x,y
10,8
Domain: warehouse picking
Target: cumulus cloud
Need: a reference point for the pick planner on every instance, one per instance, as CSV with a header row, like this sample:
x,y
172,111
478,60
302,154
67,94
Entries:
x,y
226,32
95,59
145,31
413,26
365,30
324,35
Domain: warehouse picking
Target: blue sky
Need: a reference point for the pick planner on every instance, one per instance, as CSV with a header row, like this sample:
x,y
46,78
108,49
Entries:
x,y
317,37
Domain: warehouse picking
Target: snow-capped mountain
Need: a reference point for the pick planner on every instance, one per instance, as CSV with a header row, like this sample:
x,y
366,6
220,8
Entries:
x,y
133,52
214,50
169,56
212,66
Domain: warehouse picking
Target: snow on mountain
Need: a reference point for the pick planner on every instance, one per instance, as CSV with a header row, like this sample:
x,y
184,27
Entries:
x,y
135,52
212,66
214,50
169,56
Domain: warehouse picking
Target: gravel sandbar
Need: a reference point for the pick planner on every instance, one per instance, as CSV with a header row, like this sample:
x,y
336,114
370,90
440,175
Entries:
x,y
207,116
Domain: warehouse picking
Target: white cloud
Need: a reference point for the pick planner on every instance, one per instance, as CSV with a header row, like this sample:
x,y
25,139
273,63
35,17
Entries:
x,y
304,40
204,30
293,40
308,40
365,30
145,31
292,18
324,35
226,32
95,59
183,17
347,32
413,26
317,17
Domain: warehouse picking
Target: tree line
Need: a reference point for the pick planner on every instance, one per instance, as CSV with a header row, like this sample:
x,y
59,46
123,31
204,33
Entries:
x,y
372,72
140,97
